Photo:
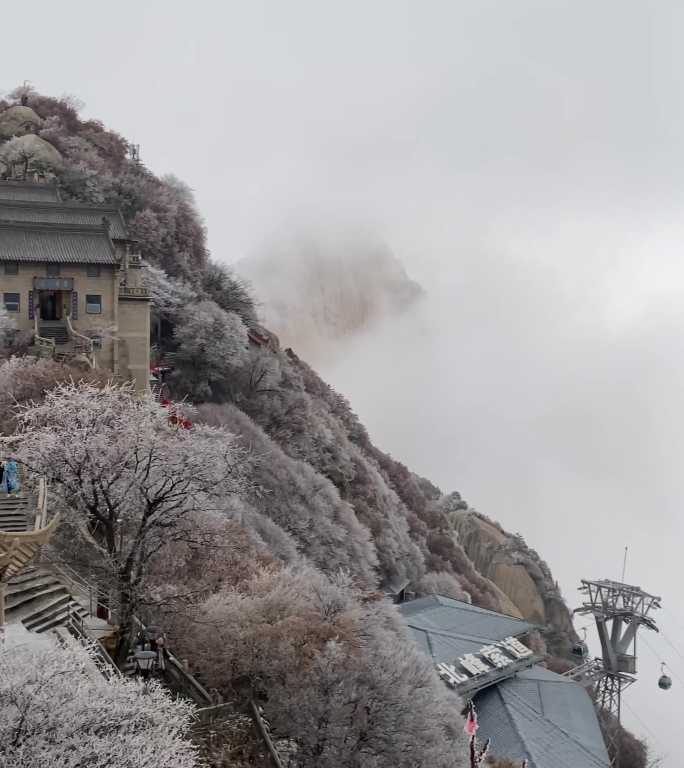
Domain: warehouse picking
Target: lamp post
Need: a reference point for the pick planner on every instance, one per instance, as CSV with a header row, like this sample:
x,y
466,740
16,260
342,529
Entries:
x,y
144,662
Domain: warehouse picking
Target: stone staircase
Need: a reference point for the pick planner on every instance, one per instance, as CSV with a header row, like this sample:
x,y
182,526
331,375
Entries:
x,y
40,600
55,331
14,513
17,546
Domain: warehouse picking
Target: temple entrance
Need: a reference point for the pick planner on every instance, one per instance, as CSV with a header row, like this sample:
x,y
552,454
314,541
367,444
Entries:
x,y
53,305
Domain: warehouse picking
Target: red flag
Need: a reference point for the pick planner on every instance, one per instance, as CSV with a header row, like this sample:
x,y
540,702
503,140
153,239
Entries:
x,y
471,725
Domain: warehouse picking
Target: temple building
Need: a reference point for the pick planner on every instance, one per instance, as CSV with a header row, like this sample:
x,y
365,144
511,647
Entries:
x,y
71,277
529,712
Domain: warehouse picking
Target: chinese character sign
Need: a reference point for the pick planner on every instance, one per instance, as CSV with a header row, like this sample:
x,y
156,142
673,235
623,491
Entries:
x,y
471,663
488,659
450,675
495,656
515,648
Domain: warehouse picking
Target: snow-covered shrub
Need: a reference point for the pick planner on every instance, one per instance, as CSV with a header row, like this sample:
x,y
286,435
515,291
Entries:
x,y
441,583
339,672
212,347
57,711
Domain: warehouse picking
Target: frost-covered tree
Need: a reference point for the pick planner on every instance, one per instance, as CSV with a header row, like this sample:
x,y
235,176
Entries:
x,y
340,675
259,377
167,295
169,299
57,711
212,347
441,583
229,291
218,553
28,153
128,479
14,155
27,379
306,428
302,502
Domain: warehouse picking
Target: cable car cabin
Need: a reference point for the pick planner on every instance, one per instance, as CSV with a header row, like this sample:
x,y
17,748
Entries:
x,y
580,650
665,681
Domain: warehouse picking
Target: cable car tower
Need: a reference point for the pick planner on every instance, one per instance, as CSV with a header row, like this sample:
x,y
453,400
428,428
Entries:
x,y
619,610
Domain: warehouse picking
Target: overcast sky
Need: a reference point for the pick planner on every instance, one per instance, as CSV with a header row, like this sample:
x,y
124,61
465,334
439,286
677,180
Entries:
x,y
524,160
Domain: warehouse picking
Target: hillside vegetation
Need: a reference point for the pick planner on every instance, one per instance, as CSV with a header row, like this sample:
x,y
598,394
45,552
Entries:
x,y
273,583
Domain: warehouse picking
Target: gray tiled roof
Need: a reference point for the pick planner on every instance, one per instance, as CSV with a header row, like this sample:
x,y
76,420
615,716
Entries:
x,y
543,717
28,191
55,243
50,212
534,713
446,629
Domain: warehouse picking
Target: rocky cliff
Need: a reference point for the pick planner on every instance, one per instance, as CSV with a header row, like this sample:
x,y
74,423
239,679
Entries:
x,y
520,574
321,288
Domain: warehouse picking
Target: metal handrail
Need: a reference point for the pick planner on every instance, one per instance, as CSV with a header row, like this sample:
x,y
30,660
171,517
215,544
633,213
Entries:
x,y
102,659
80,585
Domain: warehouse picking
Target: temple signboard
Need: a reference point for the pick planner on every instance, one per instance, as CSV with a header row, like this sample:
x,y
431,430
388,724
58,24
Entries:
x,y
53,283
505,656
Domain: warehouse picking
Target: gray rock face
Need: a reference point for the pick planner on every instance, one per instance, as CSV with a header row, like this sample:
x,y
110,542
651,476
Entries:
x,y
520,574
322,289
18,121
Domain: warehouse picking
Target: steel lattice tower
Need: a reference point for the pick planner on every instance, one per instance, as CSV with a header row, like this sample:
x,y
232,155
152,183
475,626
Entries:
x,y
619,610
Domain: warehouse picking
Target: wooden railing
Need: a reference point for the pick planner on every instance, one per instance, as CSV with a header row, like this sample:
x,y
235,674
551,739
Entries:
x,y
82,343
18,548
181,677
40,342
41,505
130,292
188,684
12,539
103,661
264,729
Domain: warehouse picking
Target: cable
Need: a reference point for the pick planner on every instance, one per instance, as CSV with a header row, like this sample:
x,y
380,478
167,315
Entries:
x,y
639,718
650,731
659,658
673,618
672,645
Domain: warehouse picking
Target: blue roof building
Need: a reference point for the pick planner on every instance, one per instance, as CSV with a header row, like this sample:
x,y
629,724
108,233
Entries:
x,y
526,710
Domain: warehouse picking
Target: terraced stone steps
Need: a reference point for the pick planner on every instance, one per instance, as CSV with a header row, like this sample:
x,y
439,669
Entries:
x,y
40,601
13,513
57,332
